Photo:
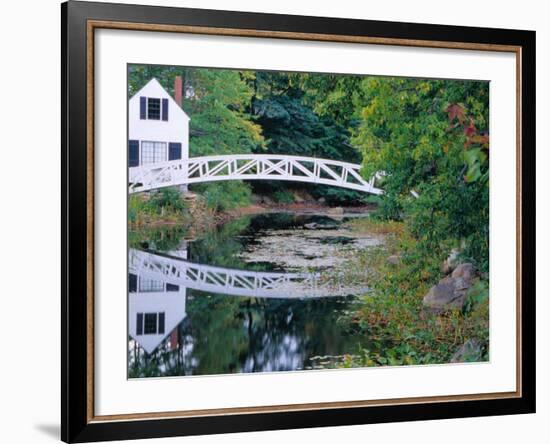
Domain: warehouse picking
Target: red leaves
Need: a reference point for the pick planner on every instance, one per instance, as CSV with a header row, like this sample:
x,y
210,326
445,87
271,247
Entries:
x,y
473,137
480,139
456,111
470,129
475,158
457,118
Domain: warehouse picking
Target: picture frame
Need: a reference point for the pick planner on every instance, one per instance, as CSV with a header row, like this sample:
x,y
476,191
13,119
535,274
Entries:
x,y
80,22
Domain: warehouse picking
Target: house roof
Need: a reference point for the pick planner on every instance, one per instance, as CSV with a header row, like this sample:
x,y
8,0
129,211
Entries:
x,y
155,83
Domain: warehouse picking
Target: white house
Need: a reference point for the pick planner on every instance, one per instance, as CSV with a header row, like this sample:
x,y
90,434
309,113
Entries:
x,y
155,309
158,128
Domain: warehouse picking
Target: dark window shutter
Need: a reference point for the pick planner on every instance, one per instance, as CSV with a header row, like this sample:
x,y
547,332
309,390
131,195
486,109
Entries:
x,y
174,151
164,109
139,324
142,108
172,287
132,283
133,153
161,324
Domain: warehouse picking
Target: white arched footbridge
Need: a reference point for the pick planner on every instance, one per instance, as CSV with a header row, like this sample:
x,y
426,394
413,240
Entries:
x,y
231,281
249,167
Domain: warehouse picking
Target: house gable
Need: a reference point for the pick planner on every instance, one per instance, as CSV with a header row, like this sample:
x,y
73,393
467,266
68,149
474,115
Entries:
x,y
154,89
172,304
169,131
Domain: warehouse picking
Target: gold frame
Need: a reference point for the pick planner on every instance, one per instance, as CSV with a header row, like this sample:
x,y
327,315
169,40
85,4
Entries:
x,y
92,25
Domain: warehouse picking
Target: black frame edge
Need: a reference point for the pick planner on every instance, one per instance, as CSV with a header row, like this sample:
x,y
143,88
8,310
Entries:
x,y
74,246
528,210
74,425
64,148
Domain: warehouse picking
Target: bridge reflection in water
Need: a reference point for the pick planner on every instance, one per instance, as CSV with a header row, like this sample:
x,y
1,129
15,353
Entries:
x,y
158,290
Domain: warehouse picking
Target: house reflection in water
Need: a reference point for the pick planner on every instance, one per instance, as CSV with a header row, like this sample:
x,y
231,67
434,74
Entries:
x,y
155,309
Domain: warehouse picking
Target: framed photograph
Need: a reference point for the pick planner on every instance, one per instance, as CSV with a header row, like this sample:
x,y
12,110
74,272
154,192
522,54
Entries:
x,y
276,221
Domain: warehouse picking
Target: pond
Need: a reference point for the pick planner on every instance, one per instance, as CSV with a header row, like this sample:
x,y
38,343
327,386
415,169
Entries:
x,y
251,295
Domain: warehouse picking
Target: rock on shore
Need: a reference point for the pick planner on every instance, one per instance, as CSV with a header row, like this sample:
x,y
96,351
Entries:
x,y
450,292
470,351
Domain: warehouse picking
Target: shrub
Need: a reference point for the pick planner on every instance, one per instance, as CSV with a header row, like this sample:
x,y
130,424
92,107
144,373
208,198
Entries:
x,y
222,196
167,198
283,196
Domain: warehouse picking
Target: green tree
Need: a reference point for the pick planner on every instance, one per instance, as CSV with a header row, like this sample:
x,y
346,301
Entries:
x,y
290,125
430,137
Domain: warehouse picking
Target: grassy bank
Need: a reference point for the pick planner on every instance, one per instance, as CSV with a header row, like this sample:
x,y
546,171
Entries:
x,y
168,206
399,329
148,214
213,204
163,206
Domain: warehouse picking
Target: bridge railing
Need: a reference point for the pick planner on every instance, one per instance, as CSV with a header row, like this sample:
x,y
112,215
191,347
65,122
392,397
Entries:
x,y
250,167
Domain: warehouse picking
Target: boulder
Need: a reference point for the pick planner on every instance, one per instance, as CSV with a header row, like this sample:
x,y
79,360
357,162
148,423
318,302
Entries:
x,y
267,200
450,263
335,210
470,351
465,271
394,259
255,199
450,292
189,196
443,296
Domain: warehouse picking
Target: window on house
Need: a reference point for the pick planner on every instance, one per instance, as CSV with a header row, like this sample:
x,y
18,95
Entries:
x,y
150,285
153,152
150,323
153,108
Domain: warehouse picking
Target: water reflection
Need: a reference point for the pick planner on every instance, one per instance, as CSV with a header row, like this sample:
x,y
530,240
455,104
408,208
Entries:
x,y
187,317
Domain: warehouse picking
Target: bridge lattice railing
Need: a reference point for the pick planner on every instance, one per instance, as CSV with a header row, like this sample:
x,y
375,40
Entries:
x,y
250,167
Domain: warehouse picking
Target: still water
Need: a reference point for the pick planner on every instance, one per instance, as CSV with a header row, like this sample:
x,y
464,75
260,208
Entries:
x,y
248,296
